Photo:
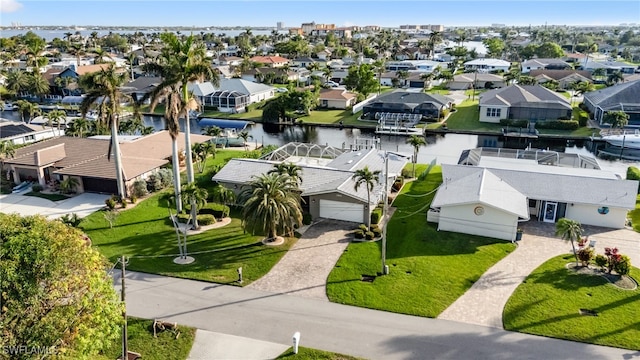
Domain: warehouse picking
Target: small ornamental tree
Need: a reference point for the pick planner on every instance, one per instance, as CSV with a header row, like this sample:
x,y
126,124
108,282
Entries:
x,y
613,257
623,266
585,255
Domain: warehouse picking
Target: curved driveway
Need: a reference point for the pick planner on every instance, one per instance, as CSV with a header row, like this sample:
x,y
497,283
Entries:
x,y
304,269
83,205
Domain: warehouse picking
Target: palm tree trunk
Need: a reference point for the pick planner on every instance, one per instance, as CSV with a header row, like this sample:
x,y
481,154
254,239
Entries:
x,y
117,158
189,158
575,253
176,174
368,209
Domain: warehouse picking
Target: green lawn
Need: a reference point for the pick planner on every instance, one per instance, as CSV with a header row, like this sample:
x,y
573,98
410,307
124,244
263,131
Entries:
x,y
549,300
313,354
140,339
634,215
429,269
466,118
324,116
52,197
147,231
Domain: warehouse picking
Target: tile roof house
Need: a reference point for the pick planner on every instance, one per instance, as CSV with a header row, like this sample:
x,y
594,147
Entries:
x,y
328,187
490,199
270,61
565,78
86,160
336,98
624,97
525,102
481,80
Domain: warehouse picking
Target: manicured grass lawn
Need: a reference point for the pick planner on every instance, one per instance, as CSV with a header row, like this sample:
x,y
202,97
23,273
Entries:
x,y
322,116
634,215
313,354
428,269
145,233
140,339
466,118
583,131
52,197
549,300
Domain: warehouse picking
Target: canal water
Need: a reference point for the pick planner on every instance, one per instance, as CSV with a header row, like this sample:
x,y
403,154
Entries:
x,y
444,148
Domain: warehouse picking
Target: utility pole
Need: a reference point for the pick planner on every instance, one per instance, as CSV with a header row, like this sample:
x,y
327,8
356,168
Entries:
x,y
125,352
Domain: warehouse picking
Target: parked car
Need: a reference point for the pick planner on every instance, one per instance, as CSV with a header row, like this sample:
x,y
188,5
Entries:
x,y
281,90
331,84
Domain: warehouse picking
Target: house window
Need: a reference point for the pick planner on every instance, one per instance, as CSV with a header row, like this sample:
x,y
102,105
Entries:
x,y
493,112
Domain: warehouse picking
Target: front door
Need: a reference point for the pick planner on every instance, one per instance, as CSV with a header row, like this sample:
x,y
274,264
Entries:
x,y
550,212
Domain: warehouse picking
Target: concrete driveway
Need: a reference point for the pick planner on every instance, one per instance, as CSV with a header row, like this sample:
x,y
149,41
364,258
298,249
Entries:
x,y
304,269
83,205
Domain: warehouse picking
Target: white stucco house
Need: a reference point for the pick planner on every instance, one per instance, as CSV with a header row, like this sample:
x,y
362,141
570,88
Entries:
x,y
233,95
487,65
504,187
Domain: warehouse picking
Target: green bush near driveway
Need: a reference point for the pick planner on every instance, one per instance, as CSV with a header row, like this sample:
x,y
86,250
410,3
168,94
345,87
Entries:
x,y
548,303
429,269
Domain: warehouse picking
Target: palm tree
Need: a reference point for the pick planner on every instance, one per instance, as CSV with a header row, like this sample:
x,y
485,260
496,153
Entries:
x,y
434,39
79,127
196,198
181,61
368,178
244,135
200,152
416,142
427,78
569,230
7,150
271,205
617,119
38,85
28,108
69,184
222,195
291,169
17,82
103,88
402,75
615,77
380,65
55,117
214,132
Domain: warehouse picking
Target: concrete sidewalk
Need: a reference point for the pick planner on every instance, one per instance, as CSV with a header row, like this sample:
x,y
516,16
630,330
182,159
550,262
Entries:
x,y
333,327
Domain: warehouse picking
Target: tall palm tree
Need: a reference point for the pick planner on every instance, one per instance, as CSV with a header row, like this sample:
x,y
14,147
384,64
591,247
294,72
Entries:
x,y
17,82
103,89
435,38
181,61
244,135
369,179
200,152
271,205
7,150
427,78
569,230
416,142
55,117
28,108
291,169
38,85
222,195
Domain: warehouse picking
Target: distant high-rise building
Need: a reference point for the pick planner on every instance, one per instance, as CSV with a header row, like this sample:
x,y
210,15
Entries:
x,y
498,25
280,25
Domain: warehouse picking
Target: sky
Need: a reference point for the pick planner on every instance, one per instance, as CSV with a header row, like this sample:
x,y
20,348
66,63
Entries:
x,y
387,13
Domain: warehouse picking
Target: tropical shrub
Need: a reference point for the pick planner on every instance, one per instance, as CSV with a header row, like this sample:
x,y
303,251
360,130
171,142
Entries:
x,y
623,265
359,234
612,258
633,173
376,232
558,124
306,219
111,203
585,255
140,188
36,188
133,199
376,215
362,227
369,235
206,219
72,220
601,261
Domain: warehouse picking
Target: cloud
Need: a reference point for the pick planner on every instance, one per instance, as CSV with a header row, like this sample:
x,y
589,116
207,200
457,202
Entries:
x,y
7,6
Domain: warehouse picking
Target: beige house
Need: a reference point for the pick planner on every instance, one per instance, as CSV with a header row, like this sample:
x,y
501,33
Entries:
x,y
565,78
86,160
336,99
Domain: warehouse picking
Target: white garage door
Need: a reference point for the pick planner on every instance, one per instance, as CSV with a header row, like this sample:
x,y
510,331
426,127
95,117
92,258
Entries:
x,y
341,210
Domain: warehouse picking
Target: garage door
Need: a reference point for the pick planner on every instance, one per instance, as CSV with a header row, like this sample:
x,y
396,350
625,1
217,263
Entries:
x,y
104,186
340,210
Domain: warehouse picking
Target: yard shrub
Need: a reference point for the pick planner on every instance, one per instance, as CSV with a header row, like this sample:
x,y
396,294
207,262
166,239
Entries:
x,y
514,123
306,219
376,232
558,125
583,117
154,183
585,255
376,215
601,261
444,113
111,203
362,227
123,203
72,220
206,219
166,177
633,173
218,211
359,234
36,188
140,188
623,265
369,235
133,199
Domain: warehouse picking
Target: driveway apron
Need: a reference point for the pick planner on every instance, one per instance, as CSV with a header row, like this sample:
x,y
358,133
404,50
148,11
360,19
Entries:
x,y
304,269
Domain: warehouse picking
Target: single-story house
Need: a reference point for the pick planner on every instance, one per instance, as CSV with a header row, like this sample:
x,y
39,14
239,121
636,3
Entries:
x,y
20,133
624,97
399,101
86,160
491,198
328,187
565,78
270,61
481,80
233,95
487,65
303,62
141,86
542,64
609,66
525,102
336,98
270,75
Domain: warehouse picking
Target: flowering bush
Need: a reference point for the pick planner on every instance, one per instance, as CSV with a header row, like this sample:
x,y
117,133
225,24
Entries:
x,y
585,255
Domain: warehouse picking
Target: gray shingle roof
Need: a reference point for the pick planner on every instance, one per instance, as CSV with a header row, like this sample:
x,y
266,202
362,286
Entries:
x,y
406,97
558,187
523,95
625,93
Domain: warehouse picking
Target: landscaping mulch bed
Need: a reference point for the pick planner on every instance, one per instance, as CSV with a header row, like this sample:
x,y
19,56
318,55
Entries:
x,y
621,281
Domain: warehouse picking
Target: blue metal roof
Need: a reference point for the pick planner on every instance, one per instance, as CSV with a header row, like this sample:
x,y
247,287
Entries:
x,y
224,123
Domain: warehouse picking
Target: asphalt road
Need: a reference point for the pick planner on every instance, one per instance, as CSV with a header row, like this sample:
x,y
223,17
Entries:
x,y
339,328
